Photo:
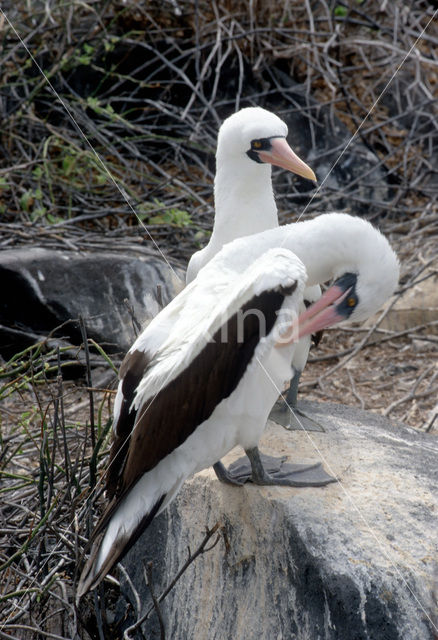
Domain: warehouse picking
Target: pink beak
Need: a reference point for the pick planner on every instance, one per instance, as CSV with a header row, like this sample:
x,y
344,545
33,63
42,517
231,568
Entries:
x,y
281,155
320,315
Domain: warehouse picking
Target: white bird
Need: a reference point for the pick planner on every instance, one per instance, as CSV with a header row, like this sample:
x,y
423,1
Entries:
x,y
203,376
249,142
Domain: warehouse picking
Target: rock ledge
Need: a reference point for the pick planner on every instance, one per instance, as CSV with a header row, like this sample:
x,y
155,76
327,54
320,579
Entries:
x,y
350,561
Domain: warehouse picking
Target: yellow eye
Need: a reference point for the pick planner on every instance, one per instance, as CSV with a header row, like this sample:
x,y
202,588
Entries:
x,y
257,144
351,302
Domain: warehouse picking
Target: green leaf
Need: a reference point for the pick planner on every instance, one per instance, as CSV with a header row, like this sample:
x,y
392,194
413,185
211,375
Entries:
x,y
180,217
158,219
101,178
68,163
93,103
85,60
26,200
53,219
340,11
37,172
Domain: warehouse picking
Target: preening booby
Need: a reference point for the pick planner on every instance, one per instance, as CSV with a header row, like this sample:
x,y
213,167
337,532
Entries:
x,y
203,376
249,142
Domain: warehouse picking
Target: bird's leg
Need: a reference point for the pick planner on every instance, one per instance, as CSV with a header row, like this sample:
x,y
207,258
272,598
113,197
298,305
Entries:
x,y
258,472
292,393
267,470
286,413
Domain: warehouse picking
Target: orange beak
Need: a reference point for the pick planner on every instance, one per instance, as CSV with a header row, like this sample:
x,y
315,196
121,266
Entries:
x,y
281,155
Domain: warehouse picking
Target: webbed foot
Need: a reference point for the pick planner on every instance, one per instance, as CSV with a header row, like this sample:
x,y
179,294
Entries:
x,y
262,469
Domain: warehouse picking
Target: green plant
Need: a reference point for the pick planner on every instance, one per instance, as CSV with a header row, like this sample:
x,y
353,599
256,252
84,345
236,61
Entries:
x,y
163,215
340,11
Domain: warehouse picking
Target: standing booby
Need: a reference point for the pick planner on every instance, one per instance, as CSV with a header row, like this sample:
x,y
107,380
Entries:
x,y
204,374
249,142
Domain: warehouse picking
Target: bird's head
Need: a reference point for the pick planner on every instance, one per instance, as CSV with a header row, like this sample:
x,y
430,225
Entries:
x,y
359,290
259,136
356,258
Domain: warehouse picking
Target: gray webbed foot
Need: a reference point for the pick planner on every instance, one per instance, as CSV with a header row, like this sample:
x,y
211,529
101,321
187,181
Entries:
x,y
267,470
227,475
240,471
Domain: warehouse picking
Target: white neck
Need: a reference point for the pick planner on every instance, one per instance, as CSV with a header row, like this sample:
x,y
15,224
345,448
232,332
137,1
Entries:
x,y
244,201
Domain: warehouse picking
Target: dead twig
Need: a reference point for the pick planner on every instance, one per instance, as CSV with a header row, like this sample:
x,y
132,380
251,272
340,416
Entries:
x,y
149,582
202,548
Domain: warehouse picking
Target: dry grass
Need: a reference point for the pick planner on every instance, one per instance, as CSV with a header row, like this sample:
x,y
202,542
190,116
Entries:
x,y
147,84
397,378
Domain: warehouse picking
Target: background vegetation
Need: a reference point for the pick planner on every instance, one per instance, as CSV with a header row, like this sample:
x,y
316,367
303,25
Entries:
x,y
108,121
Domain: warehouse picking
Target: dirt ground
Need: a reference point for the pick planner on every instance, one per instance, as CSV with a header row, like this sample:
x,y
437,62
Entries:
x,y
397,378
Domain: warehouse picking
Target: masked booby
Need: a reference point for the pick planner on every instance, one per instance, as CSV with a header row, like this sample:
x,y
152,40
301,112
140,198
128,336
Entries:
x,y
203,376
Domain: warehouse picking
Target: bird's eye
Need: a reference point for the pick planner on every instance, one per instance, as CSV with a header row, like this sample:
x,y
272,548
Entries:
x,y
257,144
351,302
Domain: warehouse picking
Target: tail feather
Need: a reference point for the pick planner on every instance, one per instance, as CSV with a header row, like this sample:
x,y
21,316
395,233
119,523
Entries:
x,y
106,552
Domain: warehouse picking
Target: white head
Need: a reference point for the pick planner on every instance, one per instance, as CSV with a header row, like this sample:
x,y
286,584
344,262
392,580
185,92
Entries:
x,y
258,136
334,247
365,274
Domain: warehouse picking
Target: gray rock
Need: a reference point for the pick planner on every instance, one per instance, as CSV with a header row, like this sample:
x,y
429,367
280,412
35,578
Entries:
x,y
43,288
354,560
